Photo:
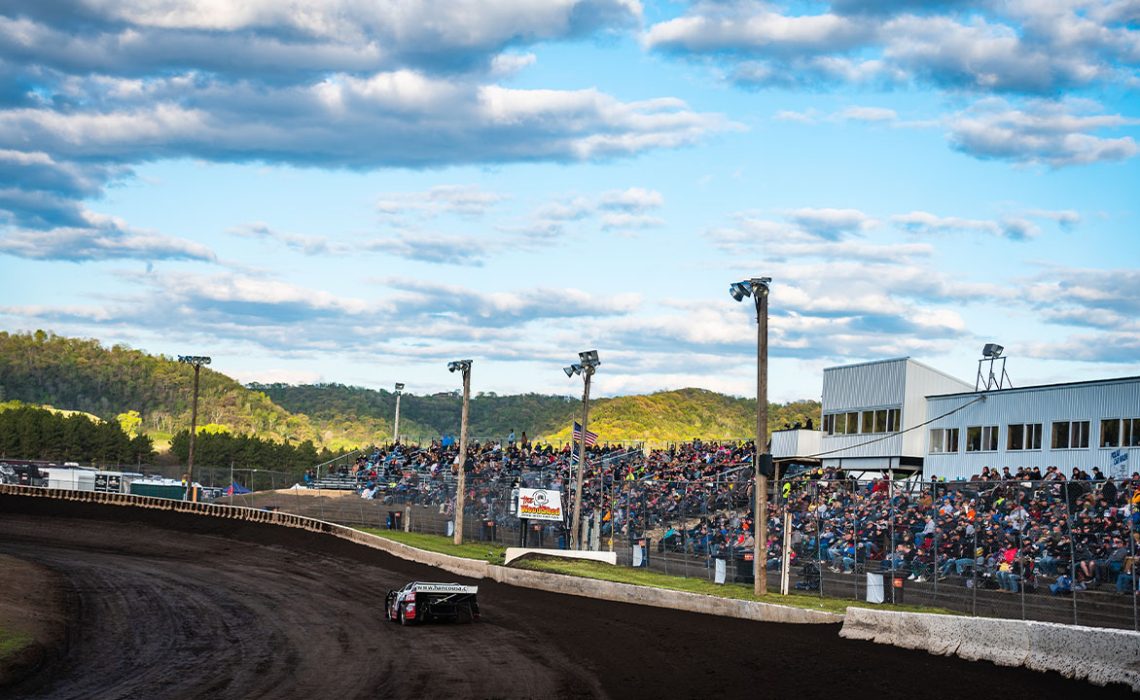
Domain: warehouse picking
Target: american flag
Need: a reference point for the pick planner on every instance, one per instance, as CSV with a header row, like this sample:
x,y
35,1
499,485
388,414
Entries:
x,y
591,438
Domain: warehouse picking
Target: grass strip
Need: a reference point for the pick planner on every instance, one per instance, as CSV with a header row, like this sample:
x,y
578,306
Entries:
x,y
494,554
483,551
737,591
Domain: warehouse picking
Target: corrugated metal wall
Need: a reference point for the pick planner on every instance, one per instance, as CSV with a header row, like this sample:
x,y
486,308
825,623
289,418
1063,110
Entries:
x,y
890,383
868,385
795,443
1044,405
923,381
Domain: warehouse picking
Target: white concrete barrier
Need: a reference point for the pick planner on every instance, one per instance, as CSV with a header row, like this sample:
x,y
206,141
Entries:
x,y
1101,656
604,557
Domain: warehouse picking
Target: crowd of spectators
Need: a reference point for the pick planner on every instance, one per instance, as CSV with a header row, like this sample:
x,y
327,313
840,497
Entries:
x,y
1001,529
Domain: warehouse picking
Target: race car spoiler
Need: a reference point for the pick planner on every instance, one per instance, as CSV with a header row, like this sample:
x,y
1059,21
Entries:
x,y
446,588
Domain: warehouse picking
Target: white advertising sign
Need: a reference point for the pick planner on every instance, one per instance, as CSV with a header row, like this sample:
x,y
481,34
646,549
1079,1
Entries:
x,y
540,504
1119,468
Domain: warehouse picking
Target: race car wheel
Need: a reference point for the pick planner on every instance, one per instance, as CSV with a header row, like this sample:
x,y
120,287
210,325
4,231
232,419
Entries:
x,y
404,616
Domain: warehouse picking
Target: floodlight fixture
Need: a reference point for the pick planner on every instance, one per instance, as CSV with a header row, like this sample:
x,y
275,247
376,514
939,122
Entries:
x,y
992,350
589,358
197,360
459,366
399,387
739,290
570,371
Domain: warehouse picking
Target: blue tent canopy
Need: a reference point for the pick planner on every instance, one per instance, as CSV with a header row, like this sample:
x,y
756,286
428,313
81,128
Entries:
x,y
236,489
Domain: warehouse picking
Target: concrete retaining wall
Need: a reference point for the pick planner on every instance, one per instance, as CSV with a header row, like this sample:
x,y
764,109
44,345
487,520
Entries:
x,y
1100,656
469,568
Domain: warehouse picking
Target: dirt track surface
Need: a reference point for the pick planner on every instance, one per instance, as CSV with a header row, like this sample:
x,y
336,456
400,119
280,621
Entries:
x,y
165,605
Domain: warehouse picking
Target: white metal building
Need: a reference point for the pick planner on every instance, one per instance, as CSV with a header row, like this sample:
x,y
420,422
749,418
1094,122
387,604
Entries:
x,y
871,412
1082,424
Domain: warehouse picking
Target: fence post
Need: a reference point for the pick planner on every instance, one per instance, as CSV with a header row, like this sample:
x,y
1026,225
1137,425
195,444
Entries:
x,y
1072,548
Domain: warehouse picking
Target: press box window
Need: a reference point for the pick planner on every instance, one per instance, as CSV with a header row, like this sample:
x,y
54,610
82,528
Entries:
x,y
1023,436
1070,435
943,440
982,438
1120,432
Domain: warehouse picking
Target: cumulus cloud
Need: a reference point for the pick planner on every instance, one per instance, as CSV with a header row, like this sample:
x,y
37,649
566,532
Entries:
x,y
626,209
100,238
1054,133
307,37
1017,47
830,223
99,86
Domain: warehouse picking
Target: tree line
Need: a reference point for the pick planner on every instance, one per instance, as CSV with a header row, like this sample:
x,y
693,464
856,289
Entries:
x,y
28,432
223,450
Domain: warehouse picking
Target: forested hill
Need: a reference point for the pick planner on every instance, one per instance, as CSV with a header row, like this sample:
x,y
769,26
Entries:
x,y
82,375
79,374
667,415
490,417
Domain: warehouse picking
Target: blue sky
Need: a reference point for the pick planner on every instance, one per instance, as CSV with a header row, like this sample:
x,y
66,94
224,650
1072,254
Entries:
x,y
358,192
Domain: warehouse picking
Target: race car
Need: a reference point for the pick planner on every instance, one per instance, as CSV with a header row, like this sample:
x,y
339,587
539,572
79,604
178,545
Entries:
x,y
421,601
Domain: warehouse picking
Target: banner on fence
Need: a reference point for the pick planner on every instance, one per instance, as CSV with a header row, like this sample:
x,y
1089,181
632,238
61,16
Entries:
x,y
540,504
1119,467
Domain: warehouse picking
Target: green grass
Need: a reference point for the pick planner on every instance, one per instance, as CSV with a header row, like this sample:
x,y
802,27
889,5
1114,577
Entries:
x,y
493,554
737,591
12,642
484,551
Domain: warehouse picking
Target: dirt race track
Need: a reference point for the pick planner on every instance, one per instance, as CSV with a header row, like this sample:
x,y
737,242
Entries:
x,y
166,605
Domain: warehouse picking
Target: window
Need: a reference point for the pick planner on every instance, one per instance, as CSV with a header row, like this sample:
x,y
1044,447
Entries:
x,y
1120,432
943,440
1110,432
892,420
827,424
1060,435
881,420
1070,435
1023,436
974,438
990,438
853,423
868,422
1079,434
982,438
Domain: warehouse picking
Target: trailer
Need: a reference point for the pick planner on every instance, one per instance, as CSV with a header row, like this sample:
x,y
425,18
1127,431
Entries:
x,y
421,601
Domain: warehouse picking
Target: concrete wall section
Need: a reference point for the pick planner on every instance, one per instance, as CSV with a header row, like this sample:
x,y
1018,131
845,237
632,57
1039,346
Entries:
x,y
1100,656
660,598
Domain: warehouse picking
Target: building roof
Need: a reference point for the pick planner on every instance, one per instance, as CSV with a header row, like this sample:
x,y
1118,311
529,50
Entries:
x,y
910,360
1039,387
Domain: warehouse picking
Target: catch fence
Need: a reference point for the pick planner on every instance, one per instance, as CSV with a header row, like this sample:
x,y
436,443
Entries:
x,y
1059,551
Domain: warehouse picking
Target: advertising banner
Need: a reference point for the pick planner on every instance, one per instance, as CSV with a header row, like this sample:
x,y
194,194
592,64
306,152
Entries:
x,y
540,504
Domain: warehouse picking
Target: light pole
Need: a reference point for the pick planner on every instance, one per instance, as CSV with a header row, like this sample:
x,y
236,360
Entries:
x,y
196,361
588,362
463,366
757,287
396,423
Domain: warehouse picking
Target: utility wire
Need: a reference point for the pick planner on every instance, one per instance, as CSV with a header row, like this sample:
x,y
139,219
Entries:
x,y
891,435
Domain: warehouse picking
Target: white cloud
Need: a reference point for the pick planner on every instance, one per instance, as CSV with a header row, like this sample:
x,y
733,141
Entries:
x,y
1054,133
1020,47
868,114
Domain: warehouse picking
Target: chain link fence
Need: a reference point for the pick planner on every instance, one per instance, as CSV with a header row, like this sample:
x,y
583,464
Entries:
x,y
1058,551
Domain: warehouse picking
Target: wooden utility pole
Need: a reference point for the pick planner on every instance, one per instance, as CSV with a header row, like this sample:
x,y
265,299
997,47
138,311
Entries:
x,y
461,483
576,534
196,361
